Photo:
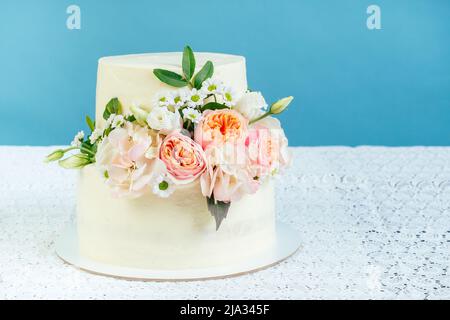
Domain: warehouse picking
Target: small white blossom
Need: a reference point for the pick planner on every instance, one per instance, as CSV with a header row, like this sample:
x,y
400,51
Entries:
x,y
192,114
78,139
229,96
161,118
195,98
117,121
162,99
95,135
178,98
212,86
163,187
110,119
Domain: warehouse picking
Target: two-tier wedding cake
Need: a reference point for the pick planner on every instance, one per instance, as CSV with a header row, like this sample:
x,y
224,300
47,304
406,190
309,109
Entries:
x,y
176,172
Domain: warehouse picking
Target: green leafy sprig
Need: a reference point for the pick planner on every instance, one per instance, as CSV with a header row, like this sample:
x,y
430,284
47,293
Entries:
x,y
87,149
188,67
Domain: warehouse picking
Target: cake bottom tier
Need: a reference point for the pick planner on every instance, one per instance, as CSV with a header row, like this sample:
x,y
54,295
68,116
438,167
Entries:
x,y
173,233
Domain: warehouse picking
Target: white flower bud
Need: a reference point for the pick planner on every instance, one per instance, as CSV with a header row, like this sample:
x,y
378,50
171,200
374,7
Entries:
x,y
55,155
280,105
75,162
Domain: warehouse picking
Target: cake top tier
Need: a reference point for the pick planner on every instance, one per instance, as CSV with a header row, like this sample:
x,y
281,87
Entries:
x,y
130,78
169,60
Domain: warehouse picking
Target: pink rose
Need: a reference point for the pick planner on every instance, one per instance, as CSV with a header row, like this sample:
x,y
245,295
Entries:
x,y
185,160
220,126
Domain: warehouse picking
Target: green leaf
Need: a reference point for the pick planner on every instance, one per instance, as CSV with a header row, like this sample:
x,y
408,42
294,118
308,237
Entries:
x,y
204,73
171,78
113,106
130,118
90,123
213,106
188,63
107,132
218,210
88,148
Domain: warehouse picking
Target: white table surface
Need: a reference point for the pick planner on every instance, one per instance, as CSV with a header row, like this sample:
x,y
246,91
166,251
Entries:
x,y
375,223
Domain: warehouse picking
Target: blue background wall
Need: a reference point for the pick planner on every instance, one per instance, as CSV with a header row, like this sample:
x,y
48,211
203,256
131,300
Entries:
x,y
352,85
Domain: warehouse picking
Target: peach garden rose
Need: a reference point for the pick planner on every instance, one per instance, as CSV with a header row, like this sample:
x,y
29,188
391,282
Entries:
x,y
185,160
220,126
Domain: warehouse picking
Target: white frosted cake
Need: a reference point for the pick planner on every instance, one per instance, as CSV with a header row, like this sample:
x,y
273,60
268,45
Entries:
x,y
159,187
175,233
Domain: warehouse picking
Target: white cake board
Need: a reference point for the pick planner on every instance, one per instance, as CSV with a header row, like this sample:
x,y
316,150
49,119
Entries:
x,y
286,244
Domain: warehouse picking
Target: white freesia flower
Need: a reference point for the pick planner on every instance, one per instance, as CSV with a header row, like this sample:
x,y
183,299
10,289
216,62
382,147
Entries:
x,y
78,139
212,86
195,98
192,114
162,99
229,96
163,187
251,105
161,118
95,135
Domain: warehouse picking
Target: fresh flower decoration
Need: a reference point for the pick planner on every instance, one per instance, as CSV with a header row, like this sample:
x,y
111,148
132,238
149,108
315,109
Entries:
x,y
162,187
219,127
185,159
202,131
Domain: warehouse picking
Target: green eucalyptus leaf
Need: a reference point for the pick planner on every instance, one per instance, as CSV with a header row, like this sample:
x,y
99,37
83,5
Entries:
x,y
218,210
188,63
205,72
113,107
171,78
90,123
213,106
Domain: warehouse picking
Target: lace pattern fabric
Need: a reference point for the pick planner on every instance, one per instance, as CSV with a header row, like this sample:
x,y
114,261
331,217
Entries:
x,y
374,222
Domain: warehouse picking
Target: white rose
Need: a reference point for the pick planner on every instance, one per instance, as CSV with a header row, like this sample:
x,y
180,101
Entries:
x,y
161,118
251,105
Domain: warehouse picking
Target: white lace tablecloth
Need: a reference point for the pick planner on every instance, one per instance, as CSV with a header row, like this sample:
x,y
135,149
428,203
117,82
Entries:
x,y
375,223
